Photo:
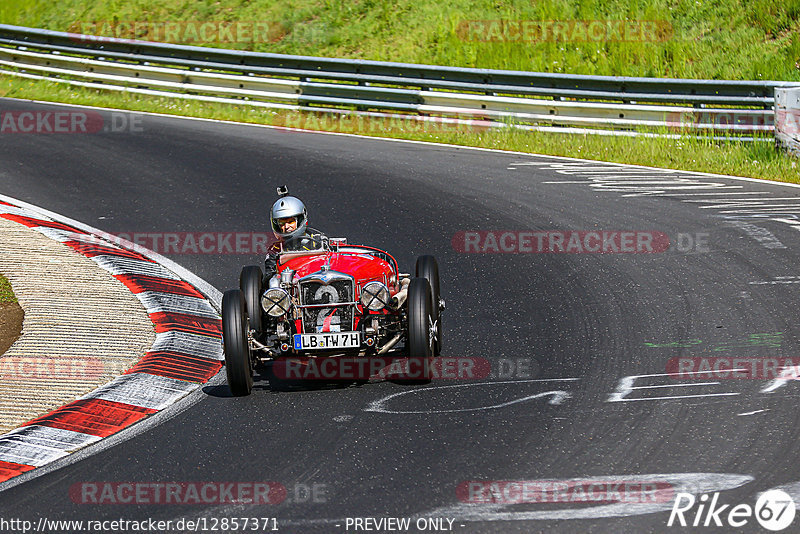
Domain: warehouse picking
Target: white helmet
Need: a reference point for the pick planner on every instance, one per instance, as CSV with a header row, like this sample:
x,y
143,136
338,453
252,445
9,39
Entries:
x,y
285,207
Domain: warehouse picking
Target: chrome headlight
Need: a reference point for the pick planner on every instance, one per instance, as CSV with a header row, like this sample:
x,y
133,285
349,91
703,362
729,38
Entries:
x,y
374,296
276,302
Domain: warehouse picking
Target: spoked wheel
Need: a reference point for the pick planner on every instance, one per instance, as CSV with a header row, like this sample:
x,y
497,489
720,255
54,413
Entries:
x,y
428,268
421,327
238,361
250,284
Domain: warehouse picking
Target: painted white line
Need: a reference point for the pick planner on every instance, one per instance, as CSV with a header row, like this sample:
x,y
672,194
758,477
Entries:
x,y
625,387
753,413
719,194
557,396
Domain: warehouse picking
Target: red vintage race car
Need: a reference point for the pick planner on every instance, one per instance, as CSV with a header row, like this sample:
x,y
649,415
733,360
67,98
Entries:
x,y
339,301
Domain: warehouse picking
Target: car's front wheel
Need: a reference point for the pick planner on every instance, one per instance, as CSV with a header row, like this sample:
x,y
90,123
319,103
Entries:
x,y
421,327
238,362
428,268
250,284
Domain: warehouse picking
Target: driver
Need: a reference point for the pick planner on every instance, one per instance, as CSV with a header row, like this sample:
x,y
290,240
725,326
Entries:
x,y
290,225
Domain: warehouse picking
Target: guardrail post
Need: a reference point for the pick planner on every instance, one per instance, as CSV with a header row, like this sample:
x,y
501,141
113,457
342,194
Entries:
x,y
787,119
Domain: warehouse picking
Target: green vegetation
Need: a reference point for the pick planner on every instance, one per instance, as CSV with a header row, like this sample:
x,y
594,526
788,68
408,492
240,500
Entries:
x,y
717,39
6,293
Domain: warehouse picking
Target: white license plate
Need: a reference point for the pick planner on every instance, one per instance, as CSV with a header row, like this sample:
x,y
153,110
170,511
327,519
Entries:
x,y
327,341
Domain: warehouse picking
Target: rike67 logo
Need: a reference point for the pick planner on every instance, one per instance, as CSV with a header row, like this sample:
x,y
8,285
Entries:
x,y
774,510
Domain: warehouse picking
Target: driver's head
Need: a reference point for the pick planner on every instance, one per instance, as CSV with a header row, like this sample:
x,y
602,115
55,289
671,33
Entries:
x,y
289,218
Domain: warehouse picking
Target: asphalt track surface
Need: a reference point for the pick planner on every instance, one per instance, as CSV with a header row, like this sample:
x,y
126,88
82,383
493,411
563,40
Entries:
x,y
593,318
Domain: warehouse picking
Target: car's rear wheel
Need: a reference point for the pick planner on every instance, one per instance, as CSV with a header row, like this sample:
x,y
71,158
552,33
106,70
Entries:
x,y
238,362
420,328
428,268
250,284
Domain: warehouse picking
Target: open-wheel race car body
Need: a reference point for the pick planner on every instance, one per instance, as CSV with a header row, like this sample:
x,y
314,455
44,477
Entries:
x,y
338,301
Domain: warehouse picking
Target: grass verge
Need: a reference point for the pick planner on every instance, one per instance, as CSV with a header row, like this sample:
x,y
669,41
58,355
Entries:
x,y
719,39
754,159
6,293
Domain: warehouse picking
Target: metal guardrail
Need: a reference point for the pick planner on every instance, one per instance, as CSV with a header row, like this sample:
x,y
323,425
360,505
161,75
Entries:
x,y
301,82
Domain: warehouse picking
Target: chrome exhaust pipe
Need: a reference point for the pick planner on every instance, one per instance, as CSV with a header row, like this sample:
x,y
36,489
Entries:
x,y
391,343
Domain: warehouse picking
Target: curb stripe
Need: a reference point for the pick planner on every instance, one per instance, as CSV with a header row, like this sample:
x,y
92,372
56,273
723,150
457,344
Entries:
x,y
190,324
187,351
116,265
30,222
40,445
90,250
95,417
11,469
139,283
155,302
190,343
144,390
178,366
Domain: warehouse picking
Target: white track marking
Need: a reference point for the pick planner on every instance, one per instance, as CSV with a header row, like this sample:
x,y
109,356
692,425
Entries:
x,y
776,282
557,397
788,374
754,412
625,387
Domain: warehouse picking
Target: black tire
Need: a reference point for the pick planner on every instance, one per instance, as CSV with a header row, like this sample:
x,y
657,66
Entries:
x,y
238,366
428,268
419,341
250,284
